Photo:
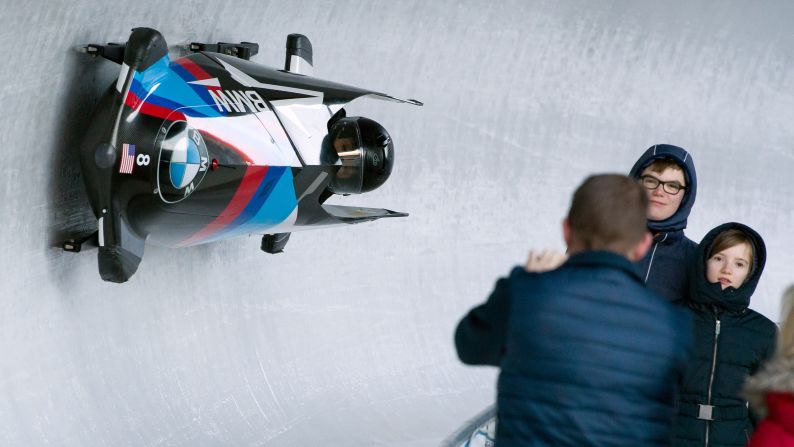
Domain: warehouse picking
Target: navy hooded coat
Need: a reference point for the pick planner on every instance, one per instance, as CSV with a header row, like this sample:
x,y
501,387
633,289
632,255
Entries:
x,y
664,268
730,343
588,355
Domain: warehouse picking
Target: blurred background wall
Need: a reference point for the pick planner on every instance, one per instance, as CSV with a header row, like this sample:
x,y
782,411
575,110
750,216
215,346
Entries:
x,y
346,339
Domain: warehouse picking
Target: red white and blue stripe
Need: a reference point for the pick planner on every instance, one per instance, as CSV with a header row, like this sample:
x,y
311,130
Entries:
x,y
265,198
179,90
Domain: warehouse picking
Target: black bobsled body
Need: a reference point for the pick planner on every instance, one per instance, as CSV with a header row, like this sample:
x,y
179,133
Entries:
x,y
211,146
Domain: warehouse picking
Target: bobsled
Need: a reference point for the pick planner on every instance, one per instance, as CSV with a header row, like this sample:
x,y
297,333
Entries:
x,y
208,146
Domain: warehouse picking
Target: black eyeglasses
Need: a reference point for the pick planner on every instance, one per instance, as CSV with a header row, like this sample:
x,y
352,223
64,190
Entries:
x,y
651,182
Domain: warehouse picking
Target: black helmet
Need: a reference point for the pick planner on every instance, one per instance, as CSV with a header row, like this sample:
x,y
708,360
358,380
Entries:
x,y
363,150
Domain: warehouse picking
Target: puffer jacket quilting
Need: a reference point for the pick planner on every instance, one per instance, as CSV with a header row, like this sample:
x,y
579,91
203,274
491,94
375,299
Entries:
x,y
731,342
664,267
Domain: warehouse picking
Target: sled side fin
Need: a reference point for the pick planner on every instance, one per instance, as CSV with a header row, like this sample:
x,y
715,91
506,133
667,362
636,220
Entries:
x,y
145,47
120,249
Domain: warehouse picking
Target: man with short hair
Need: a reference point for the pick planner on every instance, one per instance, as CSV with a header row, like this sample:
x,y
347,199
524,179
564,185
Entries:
x,y
588,355
668,174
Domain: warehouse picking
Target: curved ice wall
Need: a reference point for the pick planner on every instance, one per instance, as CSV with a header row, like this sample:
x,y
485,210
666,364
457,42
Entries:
x,y
345,340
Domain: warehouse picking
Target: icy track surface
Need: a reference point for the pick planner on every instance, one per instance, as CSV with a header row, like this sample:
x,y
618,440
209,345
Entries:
x,y
346,339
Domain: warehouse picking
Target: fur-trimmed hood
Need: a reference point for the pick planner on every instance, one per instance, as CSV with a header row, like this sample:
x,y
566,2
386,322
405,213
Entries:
x,y
777,376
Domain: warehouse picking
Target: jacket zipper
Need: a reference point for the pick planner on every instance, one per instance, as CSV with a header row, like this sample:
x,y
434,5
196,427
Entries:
x,y
713,370
653,253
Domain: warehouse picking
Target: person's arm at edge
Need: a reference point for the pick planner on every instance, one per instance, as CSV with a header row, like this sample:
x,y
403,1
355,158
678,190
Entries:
x,y
767,355
480,336
770,349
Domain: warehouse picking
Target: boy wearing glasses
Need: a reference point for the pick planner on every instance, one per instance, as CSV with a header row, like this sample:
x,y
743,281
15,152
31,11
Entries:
x,y
667,173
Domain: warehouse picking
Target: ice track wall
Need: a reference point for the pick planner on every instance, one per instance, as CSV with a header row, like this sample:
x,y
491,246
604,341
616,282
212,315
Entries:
x,y
345,339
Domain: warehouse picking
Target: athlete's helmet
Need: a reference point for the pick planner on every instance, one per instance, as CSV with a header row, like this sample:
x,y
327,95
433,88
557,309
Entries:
x,y
364,151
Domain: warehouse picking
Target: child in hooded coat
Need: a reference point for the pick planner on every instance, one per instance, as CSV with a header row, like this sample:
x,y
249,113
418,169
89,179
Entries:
x,y
731,341
664,268
771,391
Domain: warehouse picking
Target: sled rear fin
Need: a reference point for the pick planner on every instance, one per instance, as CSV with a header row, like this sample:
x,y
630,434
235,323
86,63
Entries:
x,y
355,214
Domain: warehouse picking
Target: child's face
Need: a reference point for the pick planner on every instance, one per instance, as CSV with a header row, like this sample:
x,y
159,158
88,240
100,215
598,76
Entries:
x,y
662,204
730,266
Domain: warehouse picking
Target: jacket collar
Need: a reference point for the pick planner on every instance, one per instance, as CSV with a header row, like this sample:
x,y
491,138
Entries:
x,y
603,258
668,237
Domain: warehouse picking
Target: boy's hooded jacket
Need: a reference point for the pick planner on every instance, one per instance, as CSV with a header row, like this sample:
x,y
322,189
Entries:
x,y
730,343
771,395
664,268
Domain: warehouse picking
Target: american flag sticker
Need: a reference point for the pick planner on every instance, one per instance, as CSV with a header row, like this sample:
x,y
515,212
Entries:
x,y
127,159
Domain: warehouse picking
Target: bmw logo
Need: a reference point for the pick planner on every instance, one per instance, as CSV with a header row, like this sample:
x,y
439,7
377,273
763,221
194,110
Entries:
x,y
183,161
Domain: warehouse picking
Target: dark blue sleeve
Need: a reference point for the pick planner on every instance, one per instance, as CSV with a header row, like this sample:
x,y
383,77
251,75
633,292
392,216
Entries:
x,y
686,348
480,336
768,351
769,347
